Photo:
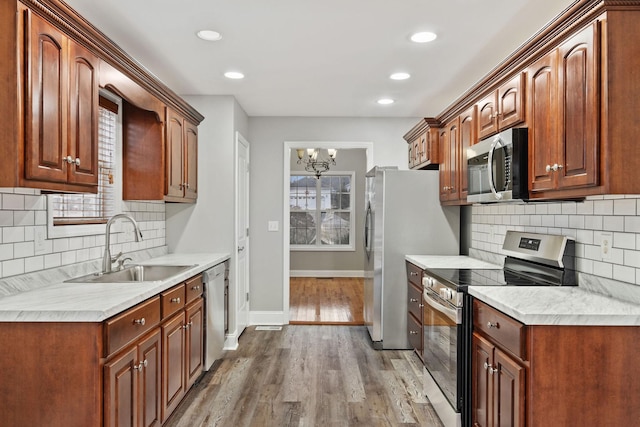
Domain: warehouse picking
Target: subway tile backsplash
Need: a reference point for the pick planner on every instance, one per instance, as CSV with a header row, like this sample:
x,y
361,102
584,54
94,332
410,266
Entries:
x,y
24,211
614,218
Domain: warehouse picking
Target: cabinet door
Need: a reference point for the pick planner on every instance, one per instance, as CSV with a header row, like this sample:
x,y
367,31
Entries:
x,y
174,161
415,153
173,353
579,109
121,390
487,116
481,358
511,102
46,101
453,128
414,329
149,351
467,139
431,146
83,116
191,161
542,119
195,341
508,383
445,164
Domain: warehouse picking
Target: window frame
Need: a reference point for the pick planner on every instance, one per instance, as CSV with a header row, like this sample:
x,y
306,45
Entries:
x,y
318,246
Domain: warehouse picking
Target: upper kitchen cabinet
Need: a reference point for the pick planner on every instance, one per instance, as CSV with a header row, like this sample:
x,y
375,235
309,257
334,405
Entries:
x,y
182,159
467,138
502,108
423,146
449,137
54,62
564,115
60,109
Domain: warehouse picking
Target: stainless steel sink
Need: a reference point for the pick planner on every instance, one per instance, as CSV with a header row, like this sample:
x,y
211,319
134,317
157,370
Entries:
x,y
134,273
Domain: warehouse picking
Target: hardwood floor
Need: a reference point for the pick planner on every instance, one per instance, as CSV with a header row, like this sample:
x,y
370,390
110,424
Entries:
x,y
327,301
309,376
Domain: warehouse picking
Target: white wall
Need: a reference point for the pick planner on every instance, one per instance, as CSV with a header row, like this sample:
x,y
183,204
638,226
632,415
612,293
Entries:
x,y
267,136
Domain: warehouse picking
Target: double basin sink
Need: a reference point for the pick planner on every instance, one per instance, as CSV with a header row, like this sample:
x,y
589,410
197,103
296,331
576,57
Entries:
x,y
134,273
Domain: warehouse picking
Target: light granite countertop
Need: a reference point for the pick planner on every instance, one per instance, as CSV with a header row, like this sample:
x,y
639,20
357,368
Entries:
x,y
450,261
95,302
554,305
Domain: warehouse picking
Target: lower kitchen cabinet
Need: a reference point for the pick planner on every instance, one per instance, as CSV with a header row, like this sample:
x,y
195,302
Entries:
x,y
132,385
132,369
552,375
414,308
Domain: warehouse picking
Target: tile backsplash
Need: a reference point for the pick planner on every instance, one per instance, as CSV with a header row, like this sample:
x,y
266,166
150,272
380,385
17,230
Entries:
x,y
23,214
615,219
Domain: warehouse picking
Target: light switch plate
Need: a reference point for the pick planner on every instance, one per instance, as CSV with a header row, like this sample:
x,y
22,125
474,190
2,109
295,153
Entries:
x,y
273,226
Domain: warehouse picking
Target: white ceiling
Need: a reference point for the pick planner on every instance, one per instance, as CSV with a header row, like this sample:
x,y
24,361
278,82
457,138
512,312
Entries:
x,y
322,57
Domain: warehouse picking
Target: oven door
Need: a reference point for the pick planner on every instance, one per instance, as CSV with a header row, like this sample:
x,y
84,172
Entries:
x,y
443,342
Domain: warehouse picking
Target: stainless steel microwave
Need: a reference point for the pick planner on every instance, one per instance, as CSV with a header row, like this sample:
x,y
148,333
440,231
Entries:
x,y
497,168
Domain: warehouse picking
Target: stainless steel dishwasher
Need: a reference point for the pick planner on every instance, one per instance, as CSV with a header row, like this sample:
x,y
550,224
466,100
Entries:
x,y
214,290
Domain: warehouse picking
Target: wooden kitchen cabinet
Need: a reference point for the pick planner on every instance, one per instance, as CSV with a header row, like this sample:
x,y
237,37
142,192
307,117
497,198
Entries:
x,y
563,99
129,370
60,109
502,108
414,308
450,149
423,146
181,159
468,137
132,385
541,375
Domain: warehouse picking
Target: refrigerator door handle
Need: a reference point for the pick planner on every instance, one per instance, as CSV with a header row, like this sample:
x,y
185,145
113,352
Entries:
x,y
367,229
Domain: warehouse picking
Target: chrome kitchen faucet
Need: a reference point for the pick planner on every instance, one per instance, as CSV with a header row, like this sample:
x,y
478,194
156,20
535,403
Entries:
x,y
107,260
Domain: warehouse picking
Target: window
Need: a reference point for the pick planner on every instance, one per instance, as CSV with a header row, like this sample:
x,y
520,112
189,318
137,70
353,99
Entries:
x,y
321,211
81,210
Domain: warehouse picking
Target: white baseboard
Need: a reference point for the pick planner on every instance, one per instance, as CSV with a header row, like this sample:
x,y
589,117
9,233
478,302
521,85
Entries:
x,y
267,318
231,342
326,273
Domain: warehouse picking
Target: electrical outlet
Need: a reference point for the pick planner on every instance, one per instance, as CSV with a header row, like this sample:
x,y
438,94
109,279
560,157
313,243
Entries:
x,y
39,237
273,226
606,240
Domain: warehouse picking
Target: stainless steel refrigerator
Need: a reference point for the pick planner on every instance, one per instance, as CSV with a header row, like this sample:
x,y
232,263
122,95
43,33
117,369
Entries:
x,y
403,217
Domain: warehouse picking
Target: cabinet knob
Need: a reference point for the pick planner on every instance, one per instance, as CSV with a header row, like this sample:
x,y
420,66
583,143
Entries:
x,y
413,332
175,300
493,325
188,325
141,321
413,300
195,288
420,305
413,273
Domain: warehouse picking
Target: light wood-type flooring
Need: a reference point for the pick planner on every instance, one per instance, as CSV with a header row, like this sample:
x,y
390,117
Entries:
x,y
309,376
327,301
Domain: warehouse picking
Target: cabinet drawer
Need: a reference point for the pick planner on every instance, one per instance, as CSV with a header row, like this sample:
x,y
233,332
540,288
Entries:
x,y
172,300
193,288
414,274
127,326
505,331
414,301
414,329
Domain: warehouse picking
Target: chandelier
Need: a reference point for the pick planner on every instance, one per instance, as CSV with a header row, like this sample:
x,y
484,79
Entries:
x,y
311,162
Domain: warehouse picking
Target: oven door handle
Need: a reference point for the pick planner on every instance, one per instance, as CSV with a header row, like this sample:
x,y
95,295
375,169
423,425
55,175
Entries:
x,y
492,184
454,314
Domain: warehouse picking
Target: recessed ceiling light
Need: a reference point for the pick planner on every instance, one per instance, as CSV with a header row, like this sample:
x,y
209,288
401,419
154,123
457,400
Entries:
x,y
209,35
423,37
385,101
234,75
399,76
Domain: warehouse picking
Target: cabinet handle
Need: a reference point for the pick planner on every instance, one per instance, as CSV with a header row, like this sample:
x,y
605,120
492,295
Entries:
x,y
413,333
555,168
413,273
77,161
188,325
490,368
548,168
195,288
137,367
186,185
141,321
413,300
176,300
420,305
493,325
486,366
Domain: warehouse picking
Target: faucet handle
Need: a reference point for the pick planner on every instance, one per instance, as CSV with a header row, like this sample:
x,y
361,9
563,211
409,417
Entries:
x,y
122,261
115,258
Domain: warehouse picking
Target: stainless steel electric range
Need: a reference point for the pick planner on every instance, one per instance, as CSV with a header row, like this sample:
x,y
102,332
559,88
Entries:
x,y
532,260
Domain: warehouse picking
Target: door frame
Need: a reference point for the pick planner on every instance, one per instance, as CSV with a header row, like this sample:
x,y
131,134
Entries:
x,y
293,145
239,139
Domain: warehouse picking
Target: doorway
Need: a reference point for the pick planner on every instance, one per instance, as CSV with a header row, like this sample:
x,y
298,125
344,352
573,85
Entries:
x,y
337,274
242,234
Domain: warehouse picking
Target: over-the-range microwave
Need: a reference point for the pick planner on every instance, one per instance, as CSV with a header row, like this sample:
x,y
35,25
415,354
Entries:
x,y
497,168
